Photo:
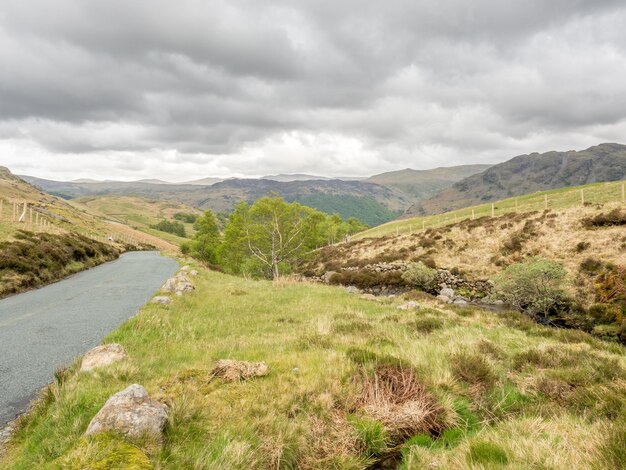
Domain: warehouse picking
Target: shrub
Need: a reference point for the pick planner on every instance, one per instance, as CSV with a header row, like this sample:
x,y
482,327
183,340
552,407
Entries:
x,y
614,218
591,265
170,226
534,286
372,435
427,324
421,276
582,246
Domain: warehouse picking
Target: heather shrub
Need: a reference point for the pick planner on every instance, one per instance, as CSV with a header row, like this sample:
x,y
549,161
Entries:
x,y
421,276
534,286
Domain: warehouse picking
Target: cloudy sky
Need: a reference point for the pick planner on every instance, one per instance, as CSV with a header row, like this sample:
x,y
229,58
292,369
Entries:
x,y
186,89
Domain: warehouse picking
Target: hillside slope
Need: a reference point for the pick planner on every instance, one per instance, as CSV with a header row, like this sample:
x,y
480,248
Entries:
x,y
56,237
422,184
529,173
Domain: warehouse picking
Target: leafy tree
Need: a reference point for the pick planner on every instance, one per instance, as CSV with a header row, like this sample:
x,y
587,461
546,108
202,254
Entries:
x,y
206,241
274,234
234,249
534,286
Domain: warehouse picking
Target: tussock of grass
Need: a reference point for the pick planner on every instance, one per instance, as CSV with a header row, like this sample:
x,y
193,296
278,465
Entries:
x,y
337,399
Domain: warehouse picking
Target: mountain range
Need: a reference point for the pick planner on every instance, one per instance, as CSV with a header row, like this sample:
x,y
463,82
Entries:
x,y
527,174
381,197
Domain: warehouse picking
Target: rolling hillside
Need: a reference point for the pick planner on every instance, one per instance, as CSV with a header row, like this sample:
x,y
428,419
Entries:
x,y
525,174
371,203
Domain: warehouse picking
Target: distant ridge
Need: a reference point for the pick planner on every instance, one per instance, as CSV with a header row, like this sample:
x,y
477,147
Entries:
x,y
530,173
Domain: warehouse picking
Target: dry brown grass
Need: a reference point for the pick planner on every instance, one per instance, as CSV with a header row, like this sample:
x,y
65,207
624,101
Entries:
x,y
396,397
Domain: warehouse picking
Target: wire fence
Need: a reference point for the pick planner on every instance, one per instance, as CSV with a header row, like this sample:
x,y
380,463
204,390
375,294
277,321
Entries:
x,y
600,193
19,214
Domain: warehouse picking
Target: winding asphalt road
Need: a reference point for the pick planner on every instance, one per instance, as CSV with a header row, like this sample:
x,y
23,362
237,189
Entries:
x,y
48,328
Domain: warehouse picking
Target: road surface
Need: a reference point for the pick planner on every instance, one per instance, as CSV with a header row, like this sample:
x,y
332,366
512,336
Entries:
x,y
48,328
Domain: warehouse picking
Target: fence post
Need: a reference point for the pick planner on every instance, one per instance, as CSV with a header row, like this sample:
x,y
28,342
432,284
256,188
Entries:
x,y
623,196
423,224
582,197
473,215
515,204
545,197
493,210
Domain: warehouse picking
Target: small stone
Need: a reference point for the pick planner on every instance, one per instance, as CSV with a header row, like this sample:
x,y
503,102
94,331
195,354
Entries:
x,y
443,298
185,268
369,297
161,299
460,301
193,272
295,370
102,356
352,290
130,412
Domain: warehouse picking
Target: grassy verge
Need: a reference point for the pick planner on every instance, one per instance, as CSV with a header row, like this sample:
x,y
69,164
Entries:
x,y
353,382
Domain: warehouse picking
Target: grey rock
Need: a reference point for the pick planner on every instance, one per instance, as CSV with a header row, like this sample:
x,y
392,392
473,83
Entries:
x,y
102,356
460,301
352,290
447,292
444,298
161,299
327,275
132,413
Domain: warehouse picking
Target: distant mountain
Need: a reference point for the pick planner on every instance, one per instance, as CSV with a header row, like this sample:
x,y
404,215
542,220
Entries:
x,y
285,178
530,173
204,181
371,203
422,184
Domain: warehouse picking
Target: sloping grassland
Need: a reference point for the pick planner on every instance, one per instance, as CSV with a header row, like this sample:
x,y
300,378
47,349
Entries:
x,y
353,384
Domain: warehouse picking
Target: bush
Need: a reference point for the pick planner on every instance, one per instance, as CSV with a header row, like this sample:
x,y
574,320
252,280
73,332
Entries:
x,y
421,276
614,218
169,226
534,286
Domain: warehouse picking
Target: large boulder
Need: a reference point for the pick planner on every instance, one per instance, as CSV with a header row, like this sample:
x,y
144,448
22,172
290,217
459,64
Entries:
x,y
131,413
102,356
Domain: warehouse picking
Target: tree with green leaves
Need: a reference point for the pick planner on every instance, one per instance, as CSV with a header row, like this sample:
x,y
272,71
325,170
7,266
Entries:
x,y
272,233
207,240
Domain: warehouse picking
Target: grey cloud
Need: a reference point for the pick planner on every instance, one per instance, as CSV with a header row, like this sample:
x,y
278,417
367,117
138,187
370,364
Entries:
x,y
411,81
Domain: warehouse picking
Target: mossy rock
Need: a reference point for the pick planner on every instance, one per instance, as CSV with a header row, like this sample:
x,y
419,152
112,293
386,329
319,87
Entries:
x,y
104,452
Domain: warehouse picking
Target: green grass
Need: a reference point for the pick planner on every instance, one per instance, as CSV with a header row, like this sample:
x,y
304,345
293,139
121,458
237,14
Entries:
x,y
562,198
306,413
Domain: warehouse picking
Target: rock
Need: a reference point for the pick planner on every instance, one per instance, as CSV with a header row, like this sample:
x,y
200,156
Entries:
x,y
184,286
130,412
410,305
234,371
447,292
193,272
161,299
444,298
352,290
179,283
102,356
460,301
369,297
185,268
327,275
